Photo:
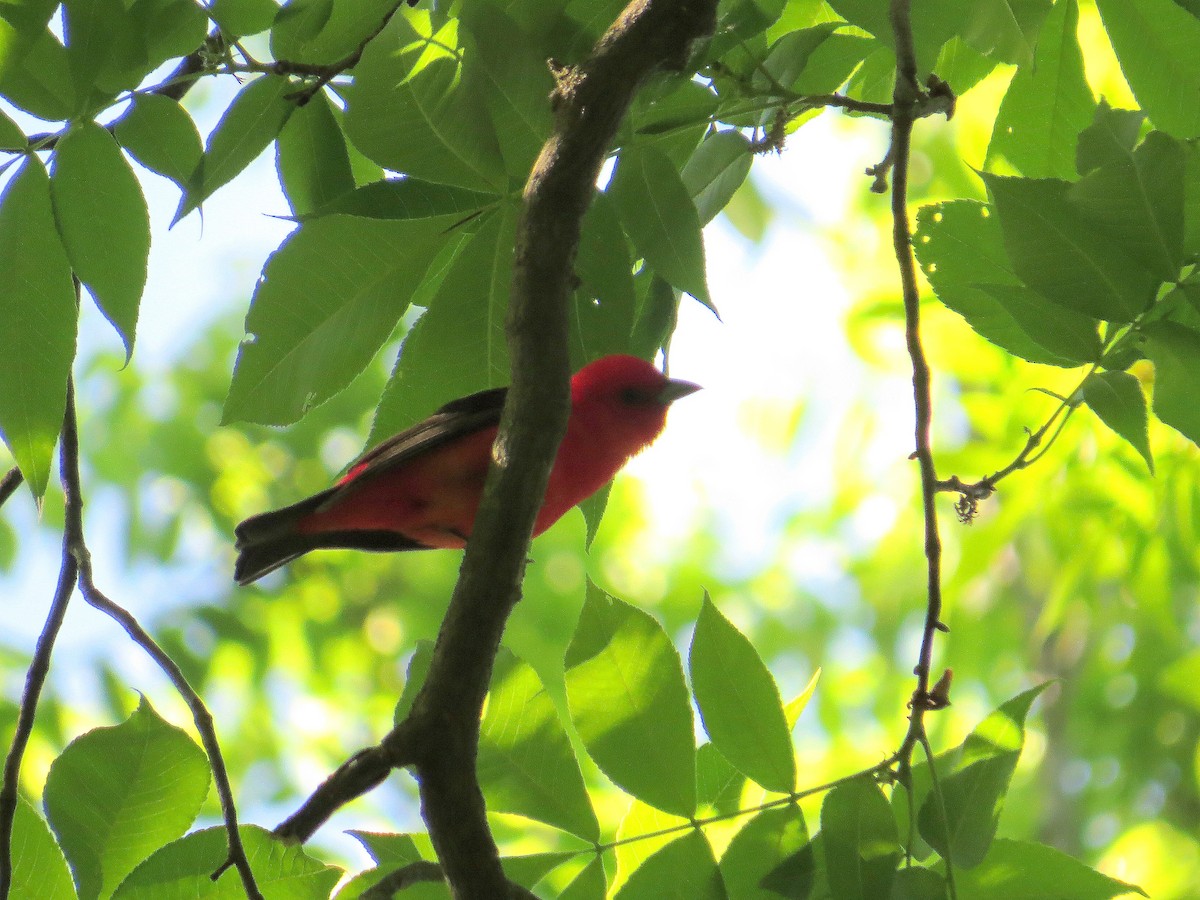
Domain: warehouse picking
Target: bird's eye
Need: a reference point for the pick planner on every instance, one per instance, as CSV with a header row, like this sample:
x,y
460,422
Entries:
x,y
635,397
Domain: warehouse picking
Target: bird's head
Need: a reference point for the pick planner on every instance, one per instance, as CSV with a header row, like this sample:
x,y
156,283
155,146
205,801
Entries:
x,y
625,397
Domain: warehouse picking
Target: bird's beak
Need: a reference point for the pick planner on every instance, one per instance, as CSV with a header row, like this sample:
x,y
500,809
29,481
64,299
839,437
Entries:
x,y
673,390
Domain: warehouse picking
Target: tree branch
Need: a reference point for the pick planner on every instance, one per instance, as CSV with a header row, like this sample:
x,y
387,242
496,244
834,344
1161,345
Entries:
x,y
77,567
442,732
39,666
907,97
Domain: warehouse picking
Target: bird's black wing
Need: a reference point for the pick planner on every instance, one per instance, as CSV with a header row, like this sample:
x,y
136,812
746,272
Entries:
x,y
456,419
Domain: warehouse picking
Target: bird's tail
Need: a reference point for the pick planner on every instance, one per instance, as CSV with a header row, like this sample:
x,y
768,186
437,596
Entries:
x,y
267,541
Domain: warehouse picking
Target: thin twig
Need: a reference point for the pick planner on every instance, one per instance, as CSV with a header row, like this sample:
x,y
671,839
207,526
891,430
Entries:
x,y
35,677
972,493
76,546
9,483
907,95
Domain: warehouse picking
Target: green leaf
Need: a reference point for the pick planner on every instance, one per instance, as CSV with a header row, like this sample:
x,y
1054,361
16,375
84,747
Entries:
x,y
1067,335
739,702
961,823
789,57
324,32
116,794
832,62
1116,397
672,117
1191,209
11,135
1109,139
160,134
933,23
1036,872
528,870
41,84
169,29
589,884
718,784
251,122
1056,251
655,316
526,764
1175,351
1154,41
770,857
915,883
386,848
38,866
37,306
593,512
458,346
603,311
661,219
329,298
414,679
627,697
961,66
407,198
21,25
100,39
861,844
1005,29
716,170
243,17
505,66
1048,103
311,157
960,247
104,224
684,869
408,111
1139,202
184,869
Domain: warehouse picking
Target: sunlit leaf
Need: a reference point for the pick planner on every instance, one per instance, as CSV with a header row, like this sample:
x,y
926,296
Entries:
x,y
185,868
117,794
1139,202
1047,104
37,307
1056,251
682,870
630,705
739,702
960,814
1117,398
770,857
408,111
104,224
1175,351
526,764
38,866
1036,872
1154,41
861,843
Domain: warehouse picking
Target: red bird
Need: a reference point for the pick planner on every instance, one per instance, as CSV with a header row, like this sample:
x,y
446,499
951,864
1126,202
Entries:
x,y
420,489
